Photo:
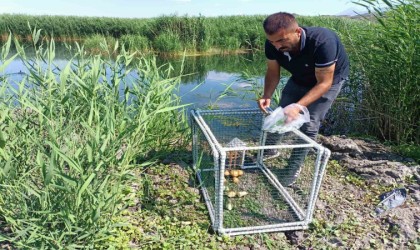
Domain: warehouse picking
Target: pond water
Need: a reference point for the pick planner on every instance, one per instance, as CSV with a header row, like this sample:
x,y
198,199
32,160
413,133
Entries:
x,y
206,79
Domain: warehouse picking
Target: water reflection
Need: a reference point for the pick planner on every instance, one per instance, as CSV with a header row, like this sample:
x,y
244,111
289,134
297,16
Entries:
x,y
207,81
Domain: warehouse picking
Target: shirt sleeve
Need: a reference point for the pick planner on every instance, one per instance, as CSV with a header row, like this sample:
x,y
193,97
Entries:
x,y
326,53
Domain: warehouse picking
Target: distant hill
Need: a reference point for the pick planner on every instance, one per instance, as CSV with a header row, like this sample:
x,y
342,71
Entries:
x,y
356,13
350,12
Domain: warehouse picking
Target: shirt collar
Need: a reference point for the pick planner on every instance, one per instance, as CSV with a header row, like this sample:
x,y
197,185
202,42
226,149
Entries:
x,y
302,39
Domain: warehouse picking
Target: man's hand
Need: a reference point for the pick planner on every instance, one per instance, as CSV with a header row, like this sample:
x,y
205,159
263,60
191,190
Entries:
x,y
264,103
292,112
271,80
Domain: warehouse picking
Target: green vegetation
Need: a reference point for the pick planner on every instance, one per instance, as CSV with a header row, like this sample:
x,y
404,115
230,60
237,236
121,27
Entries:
x,y
69,143
80,144
388,61
408,149
167,34
162,34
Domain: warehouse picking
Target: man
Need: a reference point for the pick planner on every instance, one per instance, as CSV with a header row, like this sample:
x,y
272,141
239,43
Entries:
x,y
319,66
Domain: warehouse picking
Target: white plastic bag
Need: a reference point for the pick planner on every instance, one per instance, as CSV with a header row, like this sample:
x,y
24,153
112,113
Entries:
x,y
277,121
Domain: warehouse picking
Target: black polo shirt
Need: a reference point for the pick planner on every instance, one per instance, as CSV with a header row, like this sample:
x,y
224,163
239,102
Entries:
x,y
320,47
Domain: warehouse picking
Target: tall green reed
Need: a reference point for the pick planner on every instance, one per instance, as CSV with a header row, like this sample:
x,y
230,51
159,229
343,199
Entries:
x,y
389,59
190,33
135,42
70,138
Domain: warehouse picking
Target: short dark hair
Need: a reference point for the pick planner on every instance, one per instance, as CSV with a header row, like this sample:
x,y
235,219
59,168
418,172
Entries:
x,y
277,21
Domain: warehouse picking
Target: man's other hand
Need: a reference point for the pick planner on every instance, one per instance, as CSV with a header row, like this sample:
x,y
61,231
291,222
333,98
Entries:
x,y
264,103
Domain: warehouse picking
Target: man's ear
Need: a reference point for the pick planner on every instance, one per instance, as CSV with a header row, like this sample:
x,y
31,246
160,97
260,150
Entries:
x,y
298,31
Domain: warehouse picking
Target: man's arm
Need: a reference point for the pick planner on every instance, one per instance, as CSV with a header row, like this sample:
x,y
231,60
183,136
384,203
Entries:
x,y
324,77
271,80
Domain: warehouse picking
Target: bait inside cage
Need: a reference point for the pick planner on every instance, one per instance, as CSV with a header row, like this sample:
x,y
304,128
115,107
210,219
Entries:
x,y
253,181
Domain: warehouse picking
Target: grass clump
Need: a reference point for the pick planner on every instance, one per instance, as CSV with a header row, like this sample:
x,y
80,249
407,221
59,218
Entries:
x,y
70,138
389,61
98,43
167,42
135,42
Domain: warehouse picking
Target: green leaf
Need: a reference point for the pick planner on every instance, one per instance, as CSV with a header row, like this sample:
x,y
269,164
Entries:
x,y
6,47
388,3
89,152
3,154
49,172
70,180
51,52
167,109
64,75
2,140
83,188
71,163
31,191
36,34
116,46
7,168
105,144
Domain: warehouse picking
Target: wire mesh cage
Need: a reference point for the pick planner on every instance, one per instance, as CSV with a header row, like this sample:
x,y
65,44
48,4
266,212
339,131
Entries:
x,y
253,181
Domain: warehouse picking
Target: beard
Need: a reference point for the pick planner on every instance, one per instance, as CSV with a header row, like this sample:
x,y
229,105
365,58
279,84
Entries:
x,y
289,48
284,49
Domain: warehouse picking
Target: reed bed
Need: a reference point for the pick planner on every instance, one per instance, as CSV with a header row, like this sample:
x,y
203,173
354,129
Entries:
x,y
198,34
168,34
71,137
387,62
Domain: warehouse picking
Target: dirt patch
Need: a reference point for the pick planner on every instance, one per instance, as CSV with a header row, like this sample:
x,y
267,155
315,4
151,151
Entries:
x,y
350,192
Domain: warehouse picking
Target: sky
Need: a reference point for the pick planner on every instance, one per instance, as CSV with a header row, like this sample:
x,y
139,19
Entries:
x,y
155,8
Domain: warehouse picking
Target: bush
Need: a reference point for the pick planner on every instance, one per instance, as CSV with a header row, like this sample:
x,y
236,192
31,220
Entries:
x,y
71,139
167,42
135,42
97,42
389,60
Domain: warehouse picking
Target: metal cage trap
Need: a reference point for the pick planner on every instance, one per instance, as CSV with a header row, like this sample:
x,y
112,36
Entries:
x,y
253,181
